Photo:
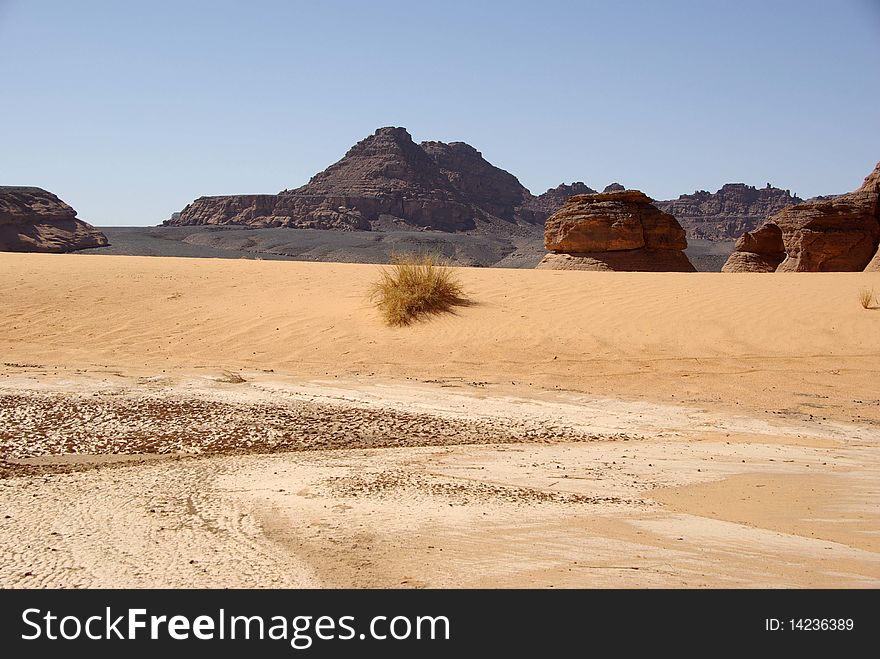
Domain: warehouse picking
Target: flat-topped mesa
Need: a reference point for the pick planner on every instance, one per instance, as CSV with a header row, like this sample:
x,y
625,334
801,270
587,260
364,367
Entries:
x,y
35,220
620,230
726,214
840,234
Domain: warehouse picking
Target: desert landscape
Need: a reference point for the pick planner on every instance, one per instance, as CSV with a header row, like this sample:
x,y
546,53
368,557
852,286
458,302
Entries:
x,y
440,296
217,422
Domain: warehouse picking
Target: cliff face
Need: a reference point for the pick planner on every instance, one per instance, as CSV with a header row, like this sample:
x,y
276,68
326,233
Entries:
x,y
728,213
35,220
828,235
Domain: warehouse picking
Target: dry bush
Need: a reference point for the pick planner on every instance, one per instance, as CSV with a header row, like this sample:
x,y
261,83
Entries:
x,y
231,378
415,286
866,297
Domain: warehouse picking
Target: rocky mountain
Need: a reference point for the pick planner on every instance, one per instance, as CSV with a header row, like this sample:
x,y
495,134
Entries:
x,y
729,212
385,178
826,235
35,220
619,230
480,183
388,182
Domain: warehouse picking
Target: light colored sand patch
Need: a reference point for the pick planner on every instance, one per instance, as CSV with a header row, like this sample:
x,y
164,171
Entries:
x,y
817,505
584,413
769,558
534,515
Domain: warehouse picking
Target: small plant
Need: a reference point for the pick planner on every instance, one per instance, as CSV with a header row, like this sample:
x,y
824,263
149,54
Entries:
x,y
866,297
231,378
415,286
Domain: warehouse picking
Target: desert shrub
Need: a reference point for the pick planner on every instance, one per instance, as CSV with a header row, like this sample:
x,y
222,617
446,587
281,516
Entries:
x,y
231,378
415,286
866,297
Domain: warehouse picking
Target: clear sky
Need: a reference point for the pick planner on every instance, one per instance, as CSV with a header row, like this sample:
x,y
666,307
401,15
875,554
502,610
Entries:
x,y
129,110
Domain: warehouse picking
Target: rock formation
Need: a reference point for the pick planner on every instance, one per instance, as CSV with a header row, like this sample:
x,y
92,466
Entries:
x,y
387,180
620,230
728,213
384,178
34,220
760,250
614,187
840,234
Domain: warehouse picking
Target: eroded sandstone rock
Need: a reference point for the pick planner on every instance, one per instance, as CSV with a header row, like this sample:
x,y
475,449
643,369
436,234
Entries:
x,y
619,230
35,220
839,234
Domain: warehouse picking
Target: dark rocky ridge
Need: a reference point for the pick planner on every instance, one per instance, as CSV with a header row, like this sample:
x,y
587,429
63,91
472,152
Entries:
x,y
388,182
35,220
551,201
385,179
728,213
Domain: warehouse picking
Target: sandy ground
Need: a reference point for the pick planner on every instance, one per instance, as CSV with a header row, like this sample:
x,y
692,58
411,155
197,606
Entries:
x,y
183,422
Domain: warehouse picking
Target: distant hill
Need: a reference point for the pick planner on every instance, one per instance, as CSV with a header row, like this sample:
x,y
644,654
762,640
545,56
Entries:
x,y
384,181
388,182
729,212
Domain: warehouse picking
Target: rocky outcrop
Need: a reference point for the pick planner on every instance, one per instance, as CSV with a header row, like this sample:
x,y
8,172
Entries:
x,y
385,177
619,230
614,187
34,220
840,234
729,212
757,251
273,211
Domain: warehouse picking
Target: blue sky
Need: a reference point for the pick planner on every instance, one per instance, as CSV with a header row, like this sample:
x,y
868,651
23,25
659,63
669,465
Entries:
x,y
130,110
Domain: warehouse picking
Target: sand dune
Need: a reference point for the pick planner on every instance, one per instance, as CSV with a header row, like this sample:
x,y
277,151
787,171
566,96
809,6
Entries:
x,y
742,340
585,428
